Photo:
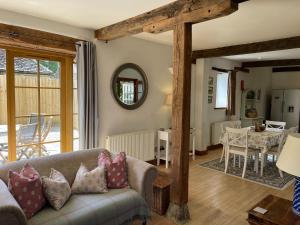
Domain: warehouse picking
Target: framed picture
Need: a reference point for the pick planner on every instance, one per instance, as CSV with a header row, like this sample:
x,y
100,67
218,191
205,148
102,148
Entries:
x,y
210,99
210,90
211,81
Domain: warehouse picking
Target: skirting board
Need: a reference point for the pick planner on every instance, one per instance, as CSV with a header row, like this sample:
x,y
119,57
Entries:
x,y
197,152
214,147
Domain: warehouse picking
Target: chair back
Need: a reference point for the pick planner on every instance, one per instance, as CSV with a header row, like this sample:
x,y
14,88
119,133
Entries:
x,y
275,125
230,124
34,119
46,129
237,138
26,134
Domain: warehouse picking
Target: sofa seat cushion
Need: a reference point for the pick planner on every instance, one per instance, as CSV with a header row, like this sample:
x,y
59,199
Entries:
x,y
115,207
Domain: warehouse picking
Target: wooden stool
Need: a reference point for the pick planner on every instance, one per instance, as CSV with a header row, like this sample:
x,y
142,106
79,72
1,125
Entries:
x,y
161,195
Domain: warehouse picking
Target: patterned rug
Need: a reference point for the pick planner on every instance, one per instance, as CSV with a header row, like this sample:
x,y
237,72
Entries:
x,y
271,177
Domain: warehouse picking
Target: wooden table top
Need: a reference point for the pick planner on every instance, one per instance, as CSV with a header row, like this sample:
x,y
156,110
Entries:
x,y
280,212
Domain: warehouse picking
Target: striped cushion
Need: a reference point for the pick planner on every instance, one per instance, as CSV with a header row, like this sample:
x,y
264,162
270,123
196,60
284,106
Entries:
x,y
118,206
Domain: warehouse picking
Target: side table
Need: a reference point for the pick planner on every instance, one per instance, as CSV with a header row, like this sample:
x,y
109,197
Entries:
x,y
161,195
279,212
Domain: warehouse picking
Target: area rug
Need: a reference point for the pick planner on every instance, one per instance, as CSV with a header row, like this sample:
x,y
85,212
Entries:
x,y
271,177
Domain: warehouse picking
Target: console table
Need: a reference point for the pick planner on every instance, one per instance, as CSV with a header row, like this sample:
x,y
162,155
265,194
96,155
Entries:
x,y
165,135
279,212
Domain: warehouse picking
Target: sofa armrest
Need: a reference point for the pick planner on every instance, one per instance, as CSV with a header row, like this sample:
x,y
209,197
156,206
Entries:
x,y
10,211
141,176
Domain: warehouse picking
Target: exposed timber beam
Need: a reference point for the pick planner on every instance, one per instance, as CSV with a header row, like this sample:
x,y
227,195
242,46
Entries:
x,y
21,37
166,17
241,69
182,50
271,63
264,46
286,69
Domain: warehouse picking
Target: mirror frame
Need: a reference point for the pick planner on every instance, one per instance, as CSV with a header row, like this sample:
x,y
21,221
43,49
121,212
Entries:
x,y
114,80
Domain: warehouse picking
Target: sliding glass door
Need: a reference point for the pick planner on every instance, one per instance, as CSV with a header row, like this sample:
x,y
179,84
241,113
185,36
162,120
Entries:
x,y
40,107
3,107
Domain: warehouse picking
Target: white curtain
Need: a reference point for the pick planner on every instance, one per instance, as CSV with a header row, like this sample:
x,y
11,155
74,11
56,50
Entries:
x,y
88,112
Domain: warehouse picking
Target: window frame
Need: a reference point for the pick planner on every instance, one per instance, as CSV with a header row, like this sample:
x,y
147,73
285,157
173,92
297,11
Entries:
x,y
66,95
219,73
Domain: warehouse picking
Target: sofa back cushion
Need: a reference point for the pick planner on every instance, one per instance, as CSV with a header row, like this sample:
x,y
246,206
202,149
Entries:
x,y
66,163
116,169
26,187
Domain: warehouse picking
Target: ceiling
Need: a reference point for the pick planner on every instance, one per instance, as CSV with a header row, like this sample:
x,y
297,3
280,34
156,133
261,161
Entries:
x,y
263,56
256,20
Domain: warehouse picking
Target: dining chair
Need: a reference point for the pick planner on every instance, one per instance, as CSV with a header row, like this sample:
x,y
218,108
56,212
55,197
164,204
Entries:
x,y
231,124
276,150
237,144
275,125
44,134
34,119
26,139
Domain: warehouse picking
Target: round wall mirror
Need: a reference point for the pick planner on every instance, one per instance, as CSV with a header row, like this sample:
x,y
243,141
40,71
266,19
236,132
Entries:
x,y
129,86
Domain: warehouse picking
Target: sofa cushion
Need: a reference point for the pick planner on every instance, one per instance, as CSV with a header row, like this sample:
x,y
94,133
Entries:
x,y
56,189
116,171
118,206
89,181
26,187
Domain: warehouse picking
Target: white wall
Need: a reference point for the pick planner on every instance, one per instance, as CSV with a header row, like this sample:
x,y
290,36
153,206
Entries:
x,y
206,114
286,80
261,78
154,59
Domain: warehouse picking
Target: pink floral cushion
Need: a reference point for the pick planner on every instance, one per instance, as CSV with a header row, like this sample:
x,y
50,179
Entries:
x,y
26,187
116,172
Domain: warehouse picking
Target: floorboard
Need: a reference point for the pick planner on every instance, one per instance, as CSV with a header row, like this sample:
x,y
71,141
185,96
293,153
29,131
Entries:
x,y
219,199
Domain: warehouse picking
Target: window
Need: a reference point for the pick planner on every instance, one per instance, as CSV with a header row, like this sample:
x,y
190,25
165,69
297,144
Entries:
x,y
222,90
75,110
36,88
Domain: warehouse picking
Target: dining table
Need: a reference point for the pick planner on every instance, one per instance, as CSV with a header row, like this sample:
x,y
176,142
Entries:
x,y
263,141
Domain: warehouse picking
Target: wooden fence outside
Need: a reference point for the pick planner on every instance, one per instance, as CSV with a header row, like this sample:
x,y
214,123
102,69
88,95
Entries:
x,y
27,98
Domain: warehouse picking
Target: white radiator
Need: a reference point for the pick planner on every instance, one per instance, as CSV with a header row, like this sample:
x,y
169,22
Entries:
x,y
138,144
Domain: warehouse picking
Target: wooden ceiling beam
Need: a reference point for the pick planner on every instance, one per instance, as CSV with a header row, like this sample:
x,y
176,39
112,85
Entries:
x,y
264,46
241,69
286,69
25,38
271,63
166,17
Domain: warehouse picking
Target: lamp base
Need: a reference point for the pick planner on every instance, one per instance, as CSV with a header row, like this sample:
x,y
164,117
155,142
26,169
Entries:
x,y
296,202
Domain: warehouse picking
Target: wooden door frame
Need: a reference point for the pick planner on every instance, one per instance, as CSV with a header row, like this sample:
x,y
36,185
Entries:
x,y
66,93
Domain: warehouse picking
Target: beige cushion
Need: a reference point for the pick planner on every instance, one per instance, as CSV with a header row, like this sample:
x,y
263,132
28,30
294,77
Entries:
x,y
56,189
89,181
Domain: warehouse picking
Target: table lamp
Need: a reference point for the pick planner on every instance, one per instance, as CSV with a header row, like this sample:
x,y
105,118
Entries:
x,y
289,161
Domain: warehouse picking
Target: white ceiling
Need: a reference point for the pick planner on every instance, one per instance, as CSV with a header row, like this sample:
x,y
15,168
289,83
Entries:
x,y
256,20
275,55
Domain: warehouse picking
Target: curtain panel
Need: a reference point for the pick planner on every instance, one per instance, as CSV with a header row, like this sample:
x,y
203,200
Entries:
x,y
88,111
231,93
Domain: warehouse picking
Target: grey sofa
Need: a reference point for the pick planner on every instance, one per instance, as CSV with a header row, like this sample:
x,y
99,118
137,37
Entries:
x,y
118,206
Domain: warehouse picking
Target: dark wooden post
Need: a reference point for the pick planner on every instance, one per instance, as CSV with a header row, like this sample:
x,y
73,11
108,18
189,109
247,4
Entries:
x,y
182,51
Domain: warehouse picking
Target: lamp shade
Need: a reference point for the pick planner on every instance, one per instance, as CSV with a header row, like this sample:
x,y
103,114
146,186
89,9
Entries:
x,y
168,99
289,159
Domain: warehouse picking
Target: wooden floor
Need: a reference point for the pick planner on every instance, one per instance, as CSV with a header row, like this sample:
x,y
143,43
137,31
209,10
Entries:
x,y
219,199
